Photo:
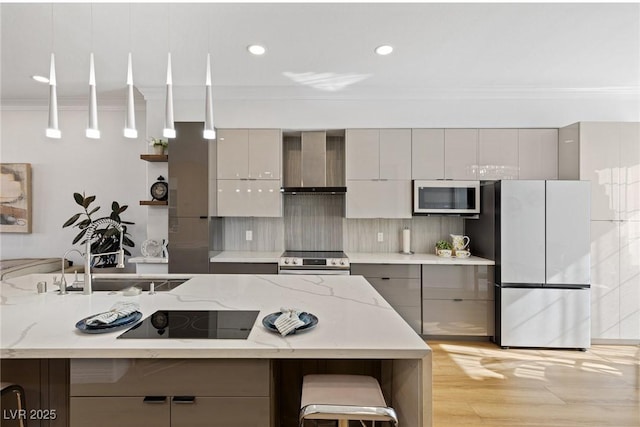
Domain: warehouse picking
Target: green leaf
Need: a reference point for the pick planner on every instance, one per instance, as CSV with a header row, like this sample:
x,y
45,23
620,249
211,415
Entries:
x,y
79,236
71,220
88,201
78,198
115,206
94,210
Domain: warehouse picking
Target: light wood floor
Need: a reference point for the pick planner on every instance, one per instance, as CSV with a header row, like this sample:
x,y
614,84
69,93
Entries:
x,y
479,384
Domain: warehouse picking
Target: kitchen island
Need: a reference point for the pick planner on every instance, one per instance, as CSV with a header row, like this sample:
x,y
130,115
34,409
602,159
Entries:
x,y
355,323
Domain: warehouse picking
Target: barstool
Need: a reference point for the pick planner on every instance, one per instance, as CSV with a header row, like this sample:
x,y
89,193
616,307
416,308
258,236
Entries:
x,y
343,398
18,391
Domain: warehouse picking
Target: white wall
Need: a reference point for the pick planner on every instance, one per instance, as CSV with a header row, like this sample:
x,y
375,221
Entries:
x,y
109,168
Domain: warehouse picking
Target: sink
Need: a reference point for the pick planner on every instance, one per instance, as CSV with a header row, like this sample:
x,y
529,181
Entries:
x,y
161,284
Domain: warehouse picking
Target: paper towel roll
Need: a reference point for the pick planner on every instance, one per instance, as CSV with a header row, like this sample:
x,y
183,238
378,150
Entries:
x,y
406,240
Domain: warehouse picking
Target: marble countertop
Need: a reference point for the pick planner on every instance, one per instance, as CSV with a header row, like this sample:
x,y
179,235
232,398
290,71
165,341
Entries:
x,y
356,258
354,320
398,258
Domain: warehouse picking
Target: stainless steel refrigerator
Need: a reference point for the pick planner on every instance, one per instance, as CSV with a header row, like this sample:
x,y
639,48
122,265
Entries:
x,y
188,200
538,233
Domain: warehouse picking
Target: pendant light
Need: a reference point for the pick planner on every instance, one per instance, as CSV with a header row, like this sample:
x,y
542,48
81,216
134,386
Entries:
x,y
92,129
52,129
130,130
169,130
209,130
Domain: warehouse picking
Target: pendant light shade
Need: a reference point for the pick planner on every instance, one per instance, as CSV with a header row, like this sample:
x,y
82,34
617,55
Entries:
x,y
209,130
130,130
92,130
52,129
169,130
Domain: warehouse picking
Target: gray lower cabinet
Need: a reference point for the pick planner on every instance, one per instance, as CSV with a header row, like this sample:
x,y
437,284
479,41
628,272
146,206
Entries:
x,y
170,393
399,284
243,268
457,300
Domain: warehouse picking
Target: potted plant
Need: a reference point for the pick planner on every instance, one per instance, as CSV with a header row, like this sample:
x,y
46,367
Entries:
x,y
105,239
443,248
158,144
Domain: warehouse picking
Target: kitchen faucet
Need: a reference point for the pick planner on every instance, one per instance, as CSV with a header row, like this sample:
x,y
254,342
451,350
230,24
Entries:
x,y
87,289
63,280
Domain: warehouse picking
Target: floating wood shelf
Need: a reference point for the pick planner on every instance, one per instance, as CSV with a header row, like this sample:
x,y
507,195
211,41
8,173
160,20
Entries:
x,y
154,202
155,157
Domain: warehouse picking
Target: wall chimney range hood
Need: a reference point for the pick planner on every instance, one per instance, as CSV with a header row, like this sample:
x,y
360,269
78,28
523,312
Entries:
x,y
313,163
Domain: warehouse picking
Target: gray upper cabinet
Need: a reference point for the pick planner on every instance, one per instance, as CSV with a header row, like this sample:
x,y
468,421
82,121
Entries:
x,y
460,153
363,153
538,153
378,170
395,153
249,153
374,154
248,172
427,154
497,154
233,153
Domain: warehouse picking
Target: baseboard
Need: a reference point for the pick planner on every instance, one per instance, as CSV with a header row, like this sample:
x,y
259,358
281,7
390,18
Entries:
x,y
455,338
608,341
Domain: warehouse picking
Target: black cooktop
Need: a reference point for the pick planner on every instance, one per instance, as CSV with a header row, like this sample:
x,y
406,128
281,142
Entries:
x,y
314,254
216,324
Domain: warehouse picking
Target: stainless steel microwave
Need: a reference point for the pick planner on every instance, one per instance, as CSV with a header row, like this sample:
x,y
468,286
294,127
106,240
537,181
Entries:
x,y
446,197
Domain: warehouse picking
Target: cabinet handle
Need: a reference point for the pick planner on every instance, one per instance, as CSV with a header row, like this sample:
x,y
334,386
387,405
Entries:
x,y
184,399
154,399
385,278
458,299
203,217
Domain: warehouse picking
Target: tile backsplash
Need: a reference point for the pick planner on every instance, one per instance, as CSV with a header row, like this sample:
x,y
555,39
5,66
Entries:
x,y
311,223
361,235
266,233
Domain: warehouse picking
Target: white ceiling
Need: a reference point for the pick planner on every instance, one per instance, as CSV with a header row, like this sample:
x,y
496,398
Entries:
x,y
444,49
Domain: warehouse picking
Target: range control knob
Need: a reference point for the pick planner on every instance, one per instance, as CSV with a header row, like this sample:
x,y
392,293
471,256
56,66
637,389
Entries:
x,y
342,262
333,262
286,261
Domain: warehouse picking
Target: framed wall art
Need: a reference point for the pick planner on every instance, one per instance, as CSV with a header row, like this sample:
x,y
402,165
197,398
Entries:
x,y
15,198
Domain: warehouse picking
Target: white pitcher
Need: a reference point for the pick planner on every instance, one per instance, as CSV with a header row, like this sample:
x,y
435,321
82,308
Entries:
x,y
460,243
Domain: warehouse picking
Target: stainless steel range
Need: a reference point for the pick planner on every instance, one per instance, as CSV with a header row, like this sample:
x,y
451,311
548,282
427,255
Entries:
x,y
314,262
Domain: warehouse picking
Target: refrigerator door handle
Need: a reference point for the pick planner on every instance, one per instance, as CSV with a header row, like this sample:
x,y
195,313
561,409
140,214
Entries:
x,y
521,285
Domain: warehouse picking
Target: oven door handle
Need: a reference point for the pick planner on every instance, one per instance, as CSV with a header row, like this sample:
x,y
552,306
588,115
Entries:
x,y
316,272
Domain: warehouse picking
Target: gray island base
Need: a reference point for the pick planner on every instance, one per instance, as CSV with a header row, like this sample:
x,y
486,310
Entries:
x,y
226,382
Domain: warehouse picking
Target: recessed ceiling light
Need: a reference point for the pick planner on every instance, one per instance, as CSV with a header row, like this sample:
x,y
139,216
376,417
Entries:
x,y
385,49
40,79
256,49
